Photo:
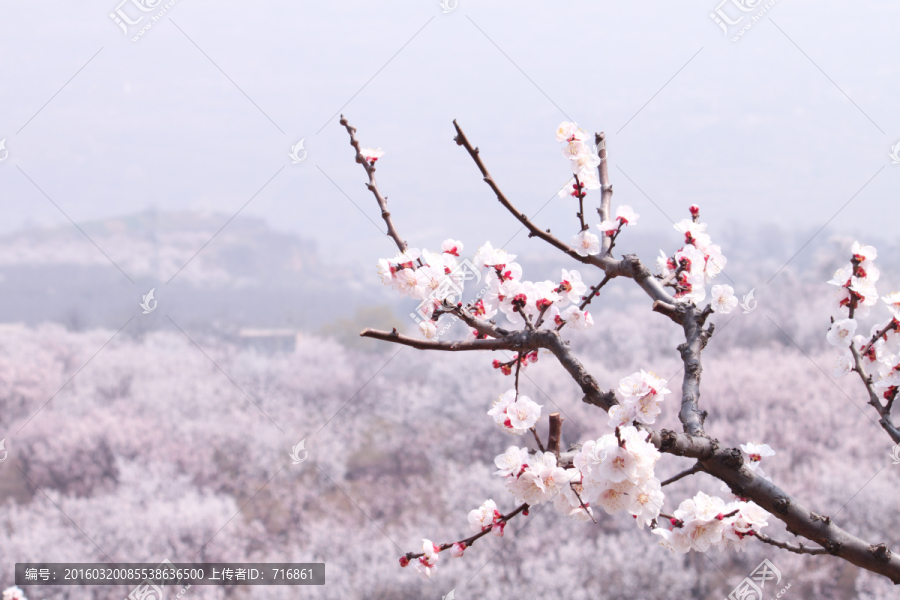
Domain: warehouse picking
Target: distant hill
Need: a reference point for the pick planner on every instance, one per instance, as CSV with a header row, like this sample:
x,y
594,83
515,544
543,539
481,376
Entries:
x,y
245,275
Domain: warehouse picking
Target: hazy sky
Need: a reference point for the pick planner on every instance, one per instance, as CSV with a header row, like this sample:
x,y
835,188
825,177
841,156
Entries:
x,y
787,124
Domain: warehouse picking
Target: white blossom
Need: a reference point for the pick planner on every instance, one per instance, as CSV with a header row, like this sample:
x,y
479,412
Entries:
x,y
723,300
626,215
577,319
482,517
841,333
586,243
372,154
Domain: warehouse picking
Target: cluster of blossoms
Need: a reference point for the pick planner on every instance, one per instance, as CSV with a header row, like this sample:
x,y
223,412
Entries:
x,y
487,517
704,522
586,243
541,301
537,479
880,352
697,263
514,413
616,472
585,160
428,276
643,392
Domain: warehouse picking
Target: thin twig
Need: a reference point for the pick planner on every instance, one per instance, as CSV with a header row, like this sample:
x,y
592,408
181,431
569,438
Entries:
x,y
373,187
798,549
695,469
471,539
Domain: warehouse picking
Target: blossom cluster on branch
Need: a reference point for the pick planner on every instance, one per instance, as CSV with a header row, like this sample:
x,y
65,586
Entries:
x,y
616,471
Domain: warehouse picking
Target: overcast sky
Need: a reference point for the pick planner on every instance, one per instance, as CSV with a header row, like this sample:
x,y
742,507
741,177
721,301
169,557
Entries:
x,y
787,125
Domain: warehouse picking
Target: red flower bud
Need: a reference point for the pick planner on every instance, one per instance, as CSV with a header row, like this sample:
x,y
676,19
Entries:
x,y
404,562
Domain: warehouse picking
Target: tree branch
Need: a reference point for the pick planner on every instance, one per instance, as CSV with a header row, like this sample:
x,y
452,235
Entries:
x,y
885,421
470,540
697,468
691,416
373,187
798,549
555,433
507,343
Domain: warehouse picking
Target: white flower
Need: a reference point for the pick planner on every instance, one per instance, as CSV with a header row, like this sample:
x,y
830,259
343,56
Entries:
x,y
841,333
757,451
694,233
646,501
693,259
515,415
586,243
634,385
893,302
751,516
585,165
704,533
619,465
715,261
674,540
865,289
523,413
723,300
511,461
621,414
431,551
457,550
662,264
608,227
863,253
411,283
841,277
843,364
482,517
428,329
574,148
626,215
577,319
569,131
371,154
568,189
571,288
385,271
614,497
454,247
648,409
487,256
